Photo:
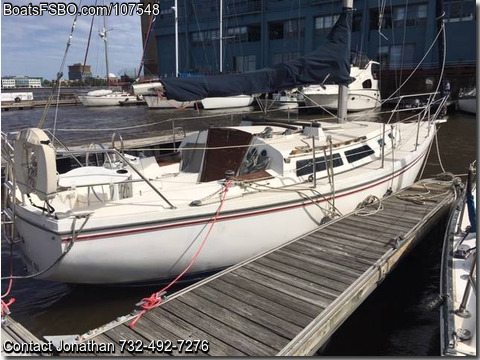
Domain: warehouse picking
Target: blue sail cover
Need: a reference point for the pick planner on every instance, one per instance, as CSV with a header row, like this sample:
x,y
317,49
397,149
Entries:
x,y
331,60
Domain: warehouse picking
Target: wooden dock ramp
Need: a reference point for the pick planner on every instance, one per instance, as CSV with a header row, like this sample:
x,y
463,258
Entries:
x,y
290,300
15,333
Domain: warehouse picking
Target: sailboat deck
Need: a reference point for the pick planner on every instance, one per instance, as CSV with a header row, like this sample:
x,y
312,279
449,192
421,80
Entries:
x,y
290,300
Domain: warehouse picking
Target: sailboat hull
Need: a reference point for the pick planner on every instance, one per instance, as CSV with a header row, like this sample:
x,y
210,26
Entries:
x,y
155,102
247,226
108,100
227,102
468,105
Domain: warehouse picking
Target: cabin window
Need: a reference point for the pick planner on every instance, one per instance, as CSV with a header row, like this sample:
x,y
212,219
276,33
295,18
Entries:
x,y
254,162
367,84
305,167
192,154
358,153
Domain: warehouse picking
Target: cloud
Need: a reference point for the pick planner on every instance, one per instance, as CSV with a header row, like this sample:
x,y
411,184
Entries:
x,y
34,45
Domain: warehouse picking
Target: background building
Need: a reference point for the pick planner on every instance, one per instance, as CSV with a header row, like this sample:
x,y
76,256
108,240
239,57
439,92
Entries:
x,y
259,33
150,59
75,71
21,81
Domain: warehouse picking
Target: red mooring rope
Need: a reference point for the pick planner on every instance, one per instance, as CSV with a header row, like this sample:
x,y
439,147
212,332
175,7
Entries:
x,y
5,305
155,300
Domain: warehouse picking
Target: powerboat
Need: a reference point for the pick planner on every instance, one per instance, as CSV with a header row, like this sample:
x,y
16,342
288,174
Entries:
x,y
363,91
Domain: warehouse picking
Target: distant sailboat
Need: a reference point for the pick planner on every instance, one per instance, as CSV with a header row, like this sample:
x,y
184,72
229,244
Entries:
x,y
106,97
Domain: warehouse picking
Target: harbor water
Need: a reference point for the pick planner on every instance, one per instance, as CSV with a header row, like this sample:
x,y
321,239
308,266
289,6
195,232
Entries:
x,y
394,320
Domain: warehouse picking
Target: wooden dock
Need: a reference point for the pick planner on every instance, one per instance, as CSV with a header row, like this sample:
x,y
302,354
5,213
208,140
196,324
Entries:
x,y
22,105
290,300
14,333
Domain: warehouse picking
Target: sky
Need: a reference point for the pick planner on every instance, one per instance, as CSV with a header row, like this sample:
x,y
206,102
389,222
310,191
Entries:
x,y
34,45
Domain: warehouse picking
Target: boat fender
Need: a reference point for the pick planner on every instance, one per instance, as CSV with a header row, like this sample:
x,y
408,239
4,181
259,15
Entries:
x,y
35,164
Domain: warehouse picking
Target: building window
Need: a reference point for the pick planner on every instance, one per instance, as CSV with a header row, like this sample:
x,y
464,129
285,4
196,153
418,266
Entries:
x,y
459,10
244,63
206,37
357,22
412,15
275,31
323,24
397,56
249,33
237,34
280,58
294,28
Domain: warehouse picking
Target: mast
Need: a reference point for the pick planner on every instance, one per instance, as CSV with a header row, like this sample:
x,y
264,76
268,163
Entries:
x,y
176,38
441,44
104,33
342,88
221,37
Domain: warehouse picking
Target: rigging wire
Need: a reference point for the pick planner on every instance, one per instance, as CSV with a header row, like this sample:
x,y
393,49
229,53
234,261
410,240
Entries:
x,y
60,72
88,43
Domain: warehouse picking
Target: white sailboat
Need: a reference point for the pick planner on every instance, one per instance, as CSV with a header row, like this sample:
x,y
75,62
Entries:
x,y
234,192
363,91
106,97
467,102
458,278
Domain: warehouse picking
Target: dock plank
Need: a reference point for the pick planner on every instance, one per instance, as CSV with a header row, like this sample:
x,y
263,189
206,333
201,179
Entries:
x,y
235,321
186,331
217,329
281,311
273,294
270,321
330,283
288,301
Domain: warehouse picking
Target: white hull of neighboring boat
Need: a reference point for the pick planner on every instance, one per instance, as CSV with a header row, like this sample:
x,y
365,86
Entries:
x,y
107,100
155,102
456,328
468,105
227,102
158,243
358,100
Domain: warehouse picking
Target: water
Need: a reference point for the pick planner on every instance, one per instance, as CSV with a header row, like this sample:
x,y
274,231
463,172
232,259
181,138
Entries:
x,y
392,321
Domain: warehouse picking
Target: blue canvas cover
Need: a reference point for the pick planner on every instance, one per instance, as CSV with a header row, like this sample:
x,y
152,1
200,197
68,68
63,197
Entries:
x,y
331,60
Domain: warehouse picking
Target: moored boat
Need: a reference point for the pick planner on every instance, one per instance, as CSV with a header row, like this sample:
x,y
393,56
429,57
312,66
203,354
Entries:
x,y
458,280
363,91
467,101
106,98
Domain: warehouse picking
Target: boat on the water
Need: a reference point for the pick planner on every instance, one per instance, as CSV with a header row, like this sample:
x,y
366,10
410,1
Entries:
x,y
458,278
227,102
133,220
363,91
107,98
158,102
467,101
224,195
